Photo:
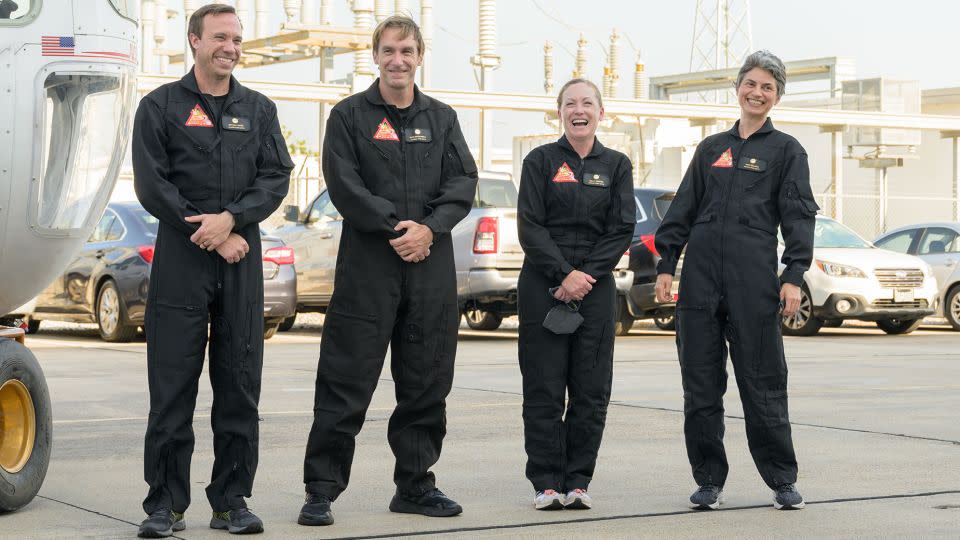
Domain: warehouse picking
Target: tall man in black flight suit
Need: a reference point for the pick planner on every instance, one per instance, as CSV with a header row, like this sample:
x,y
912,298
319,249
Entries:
x,y
741,185
400,173
210,163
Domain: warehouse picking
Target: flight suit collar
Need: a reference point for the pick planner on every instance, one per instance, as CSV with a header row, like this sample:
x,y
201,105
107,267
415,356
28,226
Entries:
x,y
767,127
373,95
594,152
236,93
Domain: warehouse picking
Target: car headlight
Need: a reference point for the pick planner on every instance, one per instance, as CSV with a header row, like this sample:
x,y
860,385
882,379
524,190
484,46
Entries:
x,y
839,270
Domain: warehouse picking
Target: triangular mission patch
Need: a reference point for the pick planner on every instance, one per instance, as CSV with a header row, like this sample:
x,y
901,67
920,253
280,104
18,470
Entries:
x,y
564,174
385,132
198,118
725,160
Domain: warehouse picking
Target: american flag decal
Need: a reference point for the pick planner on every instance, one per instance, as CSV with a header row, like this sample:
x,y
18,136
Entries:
x,y
56,46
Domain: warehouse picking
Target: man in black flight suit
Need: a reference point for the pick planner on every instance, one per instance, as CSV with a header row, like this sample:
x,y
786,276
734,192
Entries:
x,y
210,163
400,173
741,185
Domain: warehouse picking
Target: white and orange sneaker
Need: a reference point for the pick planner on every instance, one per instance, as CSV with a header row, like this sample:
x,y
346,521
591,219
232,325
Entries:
x,y
577,499
548,499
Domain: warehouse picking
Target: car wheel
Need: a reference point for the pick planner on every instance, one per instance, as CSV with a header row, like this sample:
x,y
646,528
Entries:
x,y
110,315
951,307
25,415
803,322
477,319
624,321
270,329
287,323
665,321
33,325
899,326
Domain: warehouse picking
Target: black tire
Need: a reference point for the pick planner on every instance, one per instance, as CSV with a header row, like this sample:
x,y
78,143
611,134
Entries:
x,y
287,323
270,329
33,325
804,322
899,326
951,307
19,370
665,321
833,323
477,319
111,313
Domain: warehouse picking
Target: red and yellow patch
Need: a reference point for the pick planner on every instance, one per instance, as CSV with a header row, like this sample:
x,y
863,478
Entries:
x,y
564,174
725,160
198,118
385,132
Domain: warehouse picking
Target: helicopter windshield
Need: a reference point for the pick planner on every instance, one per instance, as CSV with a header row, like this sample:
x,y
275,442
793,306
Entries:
x,y
86,118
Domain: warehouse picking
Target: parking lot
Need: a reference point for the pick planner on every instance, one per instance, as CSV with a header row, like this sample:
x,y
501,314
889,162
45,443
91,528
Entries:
x,y
874,419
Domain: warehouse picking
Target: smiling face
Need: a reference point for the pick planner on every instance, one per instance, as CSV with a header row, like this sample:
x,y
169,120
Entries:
x,y
218,50
757,93
580,111
397,59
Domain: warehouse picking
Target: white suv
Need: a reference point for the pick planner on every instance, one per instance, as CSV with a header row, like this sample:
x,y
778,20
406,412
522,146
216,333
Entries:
x,y
850,278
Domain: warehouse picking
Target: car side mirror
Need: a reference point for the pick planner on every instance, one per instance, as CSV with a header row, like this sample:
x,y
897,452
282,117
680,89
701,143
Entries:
x,y
291,212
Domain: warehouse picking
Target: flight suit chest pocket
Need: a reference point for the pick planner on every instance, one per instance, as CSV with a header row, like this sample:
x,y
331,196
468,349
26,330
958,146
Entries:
x,y
754,175
596,189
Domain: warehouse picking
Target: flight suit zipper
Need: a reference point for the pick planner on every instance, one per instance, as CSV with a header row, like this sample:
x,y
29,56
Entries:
x,y
728,190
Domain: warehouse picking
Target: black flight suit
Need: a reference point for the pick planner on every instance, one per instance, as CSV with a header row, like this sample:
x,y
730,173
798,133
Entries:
x,y
190,159
572,213
381,166
735,194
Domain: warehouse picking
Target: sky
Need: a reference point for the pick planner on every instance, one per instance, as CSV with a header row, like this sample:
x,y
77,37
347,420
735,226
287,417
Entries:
x,y
900,40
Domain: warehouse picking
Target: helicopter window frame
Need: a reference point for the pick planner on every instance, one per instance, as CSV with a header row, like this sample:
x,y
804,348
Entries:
x,y
126,12
47,220
27,18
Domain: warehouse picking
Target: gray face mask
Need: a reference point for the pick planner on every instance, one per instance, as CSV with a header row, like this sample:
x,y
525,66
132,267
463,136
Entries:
x,y
563,318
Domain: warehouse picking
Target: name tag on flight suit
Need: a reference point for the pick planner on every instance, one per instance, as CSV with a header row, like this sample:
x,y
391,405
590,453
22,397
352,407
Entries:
x,y
417,135
235,123
596,179
752,164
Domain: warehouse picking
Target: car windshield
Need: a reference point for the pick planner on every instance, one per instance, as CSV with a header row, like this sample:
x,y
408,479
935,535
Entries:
x,y
149,222
828,233
495,194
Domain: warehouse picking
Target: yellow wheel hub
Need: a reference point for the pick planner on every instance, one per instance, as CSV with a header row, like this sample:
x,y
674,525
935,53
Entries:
x,y
18,426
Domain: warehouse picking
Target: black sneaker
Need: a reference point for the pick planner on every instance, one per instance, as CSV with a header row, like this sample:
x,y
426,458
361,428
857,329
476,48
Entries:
x,y
786,497
161,524
431,503
707,497
316,511
239,521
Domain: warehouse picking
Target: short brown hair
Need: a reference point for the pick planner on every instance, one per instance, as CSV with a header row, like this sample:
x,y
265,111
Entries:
x,y
579,80
405,25
195,26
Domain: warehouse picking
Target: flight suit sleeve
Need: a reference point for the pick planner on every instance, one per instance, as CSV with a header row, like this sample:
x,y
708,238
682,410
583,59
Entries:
x,y
257,201
674,230
458,184
798,211
538,247
151,165
618,230
360,208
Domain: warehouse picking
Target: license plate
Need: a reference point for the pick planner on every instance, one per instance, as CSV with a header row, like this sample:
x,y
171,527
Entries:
x,y
903,295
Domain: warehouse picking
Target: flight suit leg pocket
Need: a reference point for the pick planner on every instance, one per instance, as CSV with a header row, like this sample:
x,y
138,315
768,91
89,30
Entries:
x,y
350,345
770,362
774,412
177,332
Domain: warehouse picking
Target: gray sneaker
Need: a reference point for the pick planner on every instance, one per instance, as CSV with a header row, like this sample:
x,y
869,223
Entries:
x,y
786,497
161,524
577,499
238,521
707,497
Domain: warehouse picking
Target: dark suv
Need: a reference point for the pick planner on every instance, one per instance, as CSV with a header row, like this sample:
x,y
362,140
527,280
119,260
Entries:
x,y
652,204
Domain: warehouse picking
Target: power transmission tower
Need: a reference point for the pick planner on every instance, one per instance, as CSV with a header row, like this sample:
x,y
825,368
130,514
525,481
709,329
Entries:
x,y
722,39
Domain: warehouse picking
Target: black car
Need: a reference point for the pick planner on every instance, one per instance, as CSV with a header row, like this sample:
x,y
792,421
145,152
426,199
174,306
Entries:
x,y
652,204
106,283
